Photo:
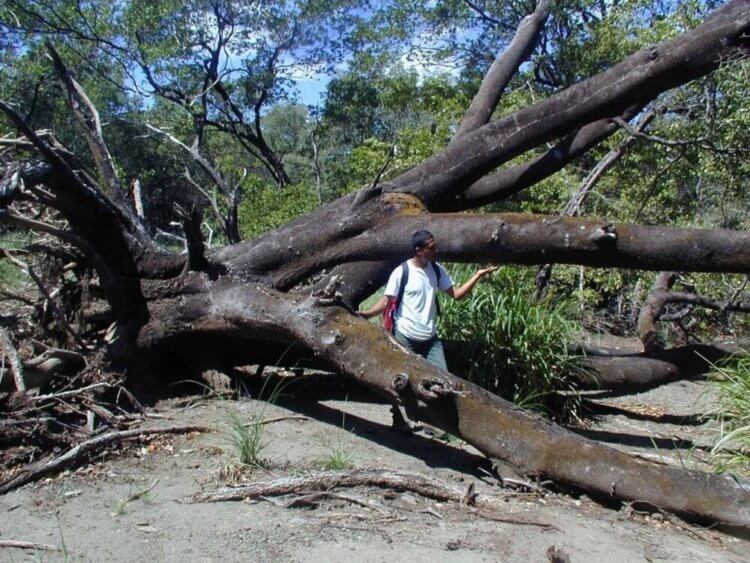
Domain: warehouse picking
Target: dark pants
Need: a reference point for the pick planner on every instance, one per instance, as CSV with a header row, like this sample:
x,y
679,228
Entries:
x,y
431,349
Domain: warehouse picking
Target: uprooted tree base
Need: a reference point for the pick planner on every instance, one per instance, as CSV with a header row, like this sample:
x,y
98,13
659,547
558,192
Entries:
x,y
236,305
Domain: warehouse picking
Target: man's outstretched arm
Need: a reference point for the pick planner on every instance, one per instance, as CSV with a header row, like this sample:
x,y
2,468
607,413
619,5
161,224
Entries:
x,y
465,289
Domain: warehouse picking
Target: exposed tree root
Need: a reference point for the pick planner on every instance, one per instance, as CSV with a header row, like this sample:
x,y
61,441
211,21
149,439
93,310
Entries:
x,y
83,449
418,483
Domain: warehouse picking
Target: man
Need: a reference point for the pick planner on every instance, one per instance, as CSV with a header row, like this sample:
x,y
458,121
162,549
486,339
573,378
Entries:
x,y
415,326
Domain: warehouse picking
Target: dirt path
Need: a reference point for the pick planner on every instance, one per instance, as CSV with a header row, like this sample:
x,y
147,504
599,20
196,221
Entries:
x,y
85,508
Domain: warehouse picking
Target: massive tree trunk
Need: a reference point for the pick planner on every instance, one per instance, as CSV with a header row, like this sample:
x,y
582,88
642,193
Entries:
x,y
234,303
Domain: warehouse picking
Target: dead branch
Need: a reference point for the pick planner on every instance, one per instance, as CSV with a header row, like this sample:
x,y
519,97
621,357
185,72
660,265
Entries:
x,y
14,361
41,369
88,117
418,483
520,520
56,310
28,545
628,373
71,393
703,142
86,448
661,295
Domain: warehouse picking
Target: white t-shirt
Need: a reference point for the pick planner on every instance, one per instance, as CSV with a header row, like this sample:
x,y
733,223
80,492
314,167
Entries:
x,y
415,315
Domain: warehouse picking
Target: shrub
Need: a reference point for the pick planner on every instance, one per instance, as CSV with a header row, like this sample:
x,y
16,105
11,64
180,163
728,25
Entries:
x,y
517,346
732,447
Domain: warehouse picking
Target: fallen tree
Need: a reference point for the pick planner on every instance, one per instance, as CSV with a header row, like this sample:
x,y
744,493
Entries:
x,y
229,305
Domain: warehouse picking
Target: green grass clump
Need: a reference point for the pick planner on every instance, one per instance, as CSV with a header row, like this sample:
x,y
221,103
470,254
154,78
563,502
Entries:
x,y
732,448
517,346
338,459
246,439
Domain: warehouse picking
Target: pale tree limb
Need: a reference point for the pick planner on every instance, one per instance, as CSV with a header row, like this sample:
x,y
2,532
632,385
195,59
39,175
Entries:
x,y
88,117
231,194
41,369
418,483
703,142
14,361
503,68
88,447
28,545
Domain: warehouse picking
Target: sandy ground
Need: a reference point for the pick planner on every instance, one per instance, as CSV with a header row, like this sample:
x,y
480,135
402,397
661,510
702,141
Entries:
x,y
83,509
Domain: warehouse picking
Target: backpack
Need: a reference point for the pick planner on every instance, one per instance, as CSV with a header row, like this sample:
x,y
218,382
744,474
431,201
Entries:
x,y
389,315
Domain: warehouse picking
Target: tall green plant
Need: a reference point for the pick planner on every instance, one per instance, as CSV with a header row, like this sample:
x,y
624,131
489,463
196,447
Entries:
x,y
515,346
732,447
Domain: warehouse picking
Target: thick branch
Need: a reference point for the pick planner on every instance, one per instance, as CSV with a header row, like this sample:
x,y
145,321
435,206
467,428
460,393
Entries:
x,y
508,181
503,69
638,372
527,239
641,76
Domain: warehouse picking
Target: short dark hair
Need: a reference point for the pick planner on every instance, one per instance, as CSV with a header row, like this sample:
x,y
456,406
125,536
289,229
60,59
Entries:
x,y
420,238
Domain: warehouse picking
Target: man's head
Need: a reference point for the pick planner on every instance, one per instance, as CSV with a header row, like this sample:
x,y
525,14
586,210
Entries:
x,y
423,245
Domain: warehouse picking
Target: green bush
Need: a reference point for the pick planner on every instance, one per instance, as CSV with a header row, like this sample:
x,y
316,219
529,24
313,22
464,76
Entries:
x,y
517,346
732,447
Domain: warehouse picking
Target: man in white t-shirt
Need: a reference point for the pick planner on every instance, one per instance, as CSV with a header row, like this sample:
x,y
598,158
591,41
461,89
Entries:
x,y
414,318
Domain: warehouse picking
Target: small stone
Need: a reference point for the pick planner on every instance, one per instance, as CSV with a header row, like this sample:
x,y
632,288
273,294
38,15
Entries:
x,y
454,545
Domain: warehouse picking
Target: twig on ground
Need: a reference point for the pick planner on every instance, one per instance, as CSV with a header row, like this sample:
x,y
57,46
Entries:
x,y
71,393
279,419
28,545
78,452
434,513
510,520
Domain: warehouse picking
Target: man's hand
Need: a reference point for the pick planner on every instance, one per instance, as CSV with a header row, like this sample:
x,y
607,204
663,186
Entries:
x,y
485,272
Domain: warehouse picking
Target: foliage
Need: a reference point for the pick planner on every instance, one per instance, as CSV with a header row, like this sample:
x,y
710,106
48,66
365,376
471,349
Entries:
x,y
266,206
518,347
338,459
732,447
10,275
246,440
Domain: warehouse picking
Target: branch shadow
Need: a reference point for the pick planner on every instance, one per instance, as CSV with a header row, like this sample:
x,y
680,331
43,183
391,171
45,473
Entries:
x,y
636,440
597,409
431,451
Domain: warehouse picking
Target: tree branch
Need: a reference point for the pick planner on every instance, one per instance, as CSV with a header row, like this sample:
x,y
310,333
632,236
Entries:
x,y
502,70
641,76
88,118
